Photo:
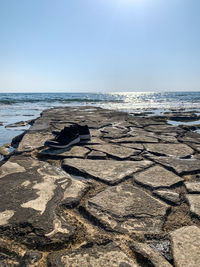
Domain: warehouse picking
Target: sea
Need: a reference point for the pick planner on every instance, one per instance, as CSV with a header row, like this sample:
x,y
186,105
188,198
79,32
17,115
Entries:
x,y
15,107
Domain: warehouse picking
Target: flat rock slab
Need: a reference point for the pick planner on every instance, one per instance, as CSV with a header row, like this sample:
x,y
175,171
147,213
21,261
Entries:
x,y
156,259
101,256
190,137
185,246
165,128
33,140
31,192
168,195
133,145
177,150
74,151
180,166
156,177
109,171
115,150
194,202
113,132
167,138
142,122
136,139
193,187
74,191
126,208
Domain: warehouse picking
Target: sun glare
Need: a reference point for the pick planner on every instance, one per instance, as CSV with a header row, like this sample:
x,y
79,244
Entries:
x,y
130,2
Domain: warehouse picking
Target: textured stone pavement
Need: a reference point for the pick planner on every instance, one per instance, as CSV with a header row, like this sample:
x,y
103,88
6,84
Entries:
x,y
128,197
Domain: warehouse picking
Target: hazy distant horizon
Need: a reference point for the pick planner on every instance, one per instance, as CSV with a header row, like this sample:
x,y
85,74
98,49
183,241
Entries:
x,y
97,92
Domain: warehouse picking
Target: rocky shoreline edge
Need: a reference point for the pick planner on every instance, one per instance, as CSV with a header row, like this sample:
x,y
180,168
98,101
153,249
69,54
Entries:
x,y
128,197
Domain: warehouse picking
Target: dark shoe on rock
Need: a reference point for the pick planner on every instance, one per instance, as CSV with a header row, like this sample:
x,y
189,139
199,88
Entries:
x,y
84,132
67,137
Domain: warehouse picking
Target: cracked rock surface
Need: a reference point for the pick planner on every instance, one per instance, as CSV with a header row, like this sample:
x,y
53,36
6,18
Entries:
x,y
130,196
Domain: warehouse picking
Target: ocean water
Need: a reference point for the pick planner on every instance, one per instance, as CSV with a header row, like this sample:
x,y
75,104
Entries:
x,y
15,107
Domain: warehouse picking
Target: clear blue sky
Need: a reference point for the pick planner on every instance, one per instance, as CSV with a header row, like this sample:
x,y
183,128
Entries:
x,y
99,45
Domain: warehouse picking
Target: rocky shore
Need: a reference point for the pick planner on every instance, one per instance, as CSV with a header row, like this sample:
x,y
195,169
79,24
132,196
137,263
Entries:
x,y
128,197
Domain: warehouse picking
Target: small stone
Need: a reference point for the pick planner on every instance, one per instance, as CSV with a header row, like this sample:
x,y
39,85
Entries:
x,y
168,195
153,256
31,257
193,187
156,177
162,246
4,151
96,155
185,246
194,202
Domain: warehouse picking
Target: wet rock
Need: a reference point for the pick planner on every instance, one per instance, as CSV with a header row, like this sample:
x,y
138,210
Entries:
x,y
126,208
193,187
74,151
194,203
156,177
180,166
4,151
16,140
101,255
115,150
96,155
30,194
17,124
168,195
183,116
185,246
109,171
176,150
154,257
